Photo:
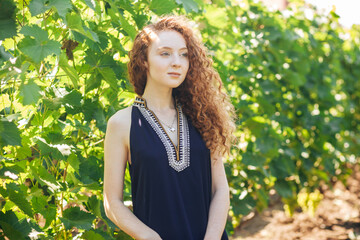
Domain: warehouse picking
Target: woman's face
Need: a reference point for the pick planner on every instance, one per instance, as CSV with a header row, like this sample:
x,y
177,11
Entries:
x,y
168,61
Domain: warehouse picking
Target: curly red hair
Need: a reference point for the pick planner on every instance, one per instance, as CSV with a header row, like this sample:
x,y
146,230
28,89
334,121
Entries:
x,y
201,94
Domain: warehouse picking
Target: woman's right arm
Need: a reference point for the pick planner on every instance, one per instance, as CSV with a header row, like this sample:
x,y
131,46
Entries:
x,y
116,156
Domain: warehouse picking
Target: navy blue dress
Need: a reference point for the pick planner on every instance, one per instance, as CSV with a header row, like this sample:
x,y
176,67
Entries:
x,y
171,185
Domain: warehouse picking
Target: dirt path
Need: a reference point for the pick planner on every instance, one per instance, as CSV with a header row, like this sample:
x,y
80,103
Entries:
x,y
337,218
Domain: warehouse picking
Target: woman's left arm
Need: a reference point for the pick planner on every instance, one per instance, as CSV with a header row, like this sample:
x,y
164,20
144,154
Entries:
x,y
220,201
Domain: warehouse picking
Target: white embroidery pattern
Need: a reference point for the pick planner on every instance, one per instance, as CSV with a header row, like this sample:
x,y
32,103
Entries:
x,y
184,137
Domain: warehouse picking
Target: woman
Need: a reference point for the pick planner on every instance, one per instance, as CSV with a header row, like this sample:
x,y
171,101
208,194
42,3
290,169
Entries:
x,y
172,137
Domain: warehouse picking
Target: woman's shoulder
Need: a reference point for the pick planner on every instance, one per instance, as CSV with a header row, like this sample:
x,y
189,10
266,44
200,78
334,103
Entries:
x,y
121,120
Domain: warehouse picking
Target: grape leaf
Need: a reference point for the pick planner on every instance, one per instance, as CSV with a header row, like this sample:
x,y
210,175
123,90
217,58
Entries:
x,y
162,6
9,133
38,50
40,6
30,93
74,217
7,19
189,5
35,31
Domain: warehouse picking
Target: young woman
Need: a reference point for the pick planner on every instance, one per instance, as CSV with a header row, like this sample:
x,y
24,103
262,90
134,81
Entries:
x,y
173,138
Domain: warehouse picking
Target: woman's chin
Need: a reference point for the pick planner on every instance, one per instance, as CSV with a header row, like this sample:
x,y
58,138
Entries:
x,y
175,84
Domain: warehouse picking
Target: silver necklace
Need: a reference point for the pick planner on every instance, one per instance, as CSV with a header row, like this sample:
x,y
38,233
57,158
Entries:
x,y
170,128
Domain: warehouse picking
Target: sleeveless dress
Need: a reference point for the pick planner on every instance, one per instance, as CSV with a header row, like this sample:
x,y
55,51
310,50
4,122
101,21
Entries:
x,y
170,185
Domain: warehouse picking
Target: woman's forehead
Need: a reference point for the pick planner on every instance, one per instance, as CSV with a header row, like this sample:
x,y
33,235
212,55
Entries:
x,y
168,39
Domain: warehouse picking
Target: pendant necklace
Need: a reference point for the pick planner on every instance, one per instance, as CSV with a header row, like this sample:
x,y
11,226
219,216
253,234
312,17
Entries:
x,y
170,128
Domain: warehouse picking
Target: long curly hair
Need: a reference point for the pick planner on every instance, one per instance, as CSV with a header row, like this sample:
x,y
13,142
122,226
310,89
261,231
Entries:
x,y
201,94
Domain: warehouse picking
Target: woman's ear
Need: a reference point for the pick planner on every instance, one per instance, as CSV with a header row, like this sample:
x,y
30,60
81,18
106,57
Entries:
x,y
146,65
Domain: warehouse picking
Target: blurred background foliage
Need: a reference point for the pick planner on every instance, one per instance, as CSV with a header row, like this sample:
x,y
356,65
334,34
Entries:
x,y
292,77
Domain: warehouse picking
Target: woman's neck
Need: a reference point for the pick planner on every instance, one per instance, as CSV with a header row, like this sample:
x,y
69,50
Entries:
x,y
159,100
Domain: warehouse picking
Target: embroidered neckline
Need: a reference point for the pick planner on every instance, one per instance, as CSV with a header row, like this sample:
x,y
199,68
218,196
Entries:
x,y
178,156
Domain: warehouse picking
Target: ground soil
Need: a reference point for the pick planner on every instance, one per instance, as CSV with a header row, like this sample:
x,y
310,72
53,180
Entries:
x,y
337,217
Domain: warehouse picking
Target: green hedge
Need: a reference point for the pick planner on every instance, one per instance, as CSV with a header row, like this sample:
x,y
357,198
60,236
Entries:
x,y
293,81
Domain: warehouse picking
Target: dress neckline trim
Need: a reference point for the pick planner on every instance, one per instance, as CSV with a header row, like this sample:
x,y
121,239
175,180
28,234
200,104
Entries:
x,y
142,101
178,156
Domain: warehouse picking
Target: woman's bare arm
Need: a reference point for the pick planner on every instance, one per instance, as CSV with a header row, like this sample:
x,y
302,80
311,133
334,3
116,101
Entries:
x,y
116,156
220,202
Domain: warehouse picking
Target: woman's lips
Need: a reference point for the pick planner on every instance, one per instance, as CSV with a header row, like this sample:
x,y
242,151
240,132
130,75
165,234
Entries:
x,y
174,74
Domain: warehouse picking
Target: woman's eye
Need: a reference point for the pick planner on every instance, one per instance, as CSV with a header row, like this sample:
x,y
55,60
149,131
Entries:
x,y
164,54
184,54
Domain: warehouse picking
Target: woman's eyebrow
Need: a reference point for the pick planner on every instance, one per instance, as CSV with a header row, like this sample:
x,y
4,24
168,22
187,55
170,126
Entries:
x,y
160,48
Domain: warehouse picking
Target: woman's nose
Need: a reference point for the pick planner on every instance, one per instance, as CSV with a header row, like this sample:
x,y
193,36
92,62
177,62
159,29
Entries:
x,y
176,61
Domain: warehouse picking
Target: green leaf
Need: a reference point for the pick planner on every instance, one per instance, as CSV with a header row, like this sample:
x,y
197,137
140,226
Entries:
x,y
3,191
129,28
252,160
109,76
116,15
69,70
302,66
13,228
75,23
91,235
12,170
4,55
74,217
47,149
256,124
52,104
295,79
284,188
73,98
94,36
9,133
283,166
7,19
45,178
189,5
37,50
7,28
256,176
62,6
162,6
30,93
7,9
49,214
40,205
243,204
268,146
39,6
35,31
102,43
93,82
94,206
74,162
90,171
89,107
262,197
100,119
25,150
267,105
19,199
91,4
92,58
